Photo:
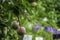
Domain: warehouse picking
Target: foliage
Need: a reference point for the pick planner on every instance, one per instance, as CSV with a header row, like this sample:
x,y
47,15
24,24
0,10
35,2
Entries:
x,y
24,12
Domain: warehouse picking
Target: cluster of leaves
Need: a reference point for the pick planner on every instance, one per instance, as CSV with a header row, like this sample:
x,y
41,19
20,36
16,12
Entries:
x,y
24,12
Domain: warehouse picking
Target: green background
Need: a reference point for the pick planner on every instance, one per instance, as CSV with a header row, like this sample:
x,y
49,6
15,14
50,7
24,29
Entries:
x,y
10,9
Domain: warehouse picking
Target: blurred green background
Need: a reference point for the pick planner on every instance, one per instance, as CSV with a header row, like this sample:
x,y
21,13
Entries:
x,y
44,12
